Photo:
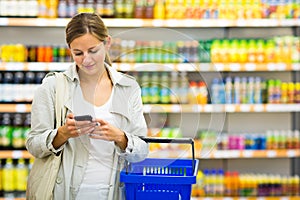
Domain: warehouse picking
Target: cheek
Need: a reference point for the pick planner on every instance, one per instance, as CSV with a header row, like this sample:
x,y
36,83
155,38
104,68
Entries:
x,y
77,60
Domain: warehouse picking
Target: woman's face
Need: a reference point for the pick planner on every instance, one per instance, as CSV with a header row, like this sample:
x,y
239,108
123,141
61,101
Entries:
x,y
89,53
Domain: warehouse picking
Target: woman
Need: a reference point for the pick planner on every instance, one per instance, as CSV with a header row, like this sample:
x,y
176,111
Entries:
x,y
93,151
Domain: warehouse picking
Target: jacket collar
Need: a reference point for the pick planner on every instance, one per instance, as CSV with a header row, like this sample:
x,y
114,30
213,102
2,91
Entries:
x,y
116,77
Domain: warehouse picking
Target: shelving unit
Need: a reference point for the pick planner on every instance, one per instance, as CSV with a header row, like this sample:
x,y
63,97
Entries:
x,y
230,117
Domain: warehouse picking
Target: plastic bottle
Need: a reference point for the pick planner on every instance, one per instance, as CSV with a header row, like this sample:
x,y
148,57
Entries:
x,y
8,178
202,97
192,92
26,128
154,88
217,91
7,87
250,90
6,130
174,88
165,89
237,90
228,90
297,92
284,93
258,91
228,184
244,97
17,133
145,84
291,92
1,181
183,88
21,173
220,183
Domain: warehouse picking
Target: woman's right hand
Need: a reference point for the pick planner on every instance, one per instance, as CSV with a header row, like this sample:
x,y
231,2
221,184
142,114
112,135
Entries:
x,y
72,129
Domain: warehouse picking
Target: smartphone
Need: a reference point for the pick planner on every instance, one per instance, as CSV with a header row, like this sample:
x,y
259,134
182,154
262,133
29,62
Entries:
x,y
83,118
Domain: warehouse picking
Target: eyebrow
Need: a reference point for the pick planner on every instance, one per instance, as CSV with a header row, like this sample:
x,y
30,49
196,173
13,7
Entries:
x,y
88,48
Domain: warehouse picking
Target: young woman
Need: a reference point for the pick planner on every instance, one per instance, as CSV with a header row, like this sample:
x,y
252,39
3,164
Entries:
x,y
93,152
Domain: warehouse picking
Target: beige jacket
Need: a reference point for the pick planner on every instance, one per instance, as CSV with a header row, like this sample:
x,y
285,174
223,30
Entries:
x,y
126,103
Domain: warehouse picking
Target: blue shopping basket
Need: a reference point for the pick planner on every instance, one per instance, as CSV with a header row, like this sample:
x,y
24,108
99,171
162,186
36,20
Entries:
x,y
155,178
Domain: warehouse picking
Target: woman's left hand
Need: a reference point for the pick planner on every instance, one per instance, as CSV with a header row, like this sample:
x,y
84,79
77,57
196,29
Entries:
x,y
106,131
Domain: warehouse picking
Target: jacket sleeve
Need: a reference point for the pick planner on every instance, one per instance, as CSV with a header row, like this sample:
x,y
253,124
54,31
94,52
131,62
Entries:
x,y
137,149
40,137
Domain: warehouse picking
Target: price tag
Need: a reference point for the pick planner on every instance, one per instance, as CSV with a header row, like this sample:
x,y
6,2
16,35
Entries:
x,y
169,67
247,153
60,22
284,198
189,23
14,66
188,67
196,108
219,154
219,66
208,108
271,66
291,153
21,108
17,154
245,108
172,22
57,66
176,108
258,108
241,22
250,67
234,154
296,66
4,21
204,67
230,108
125,67
218,108
36,66
147,108
271,153
42,22
235,67
281,67
157,23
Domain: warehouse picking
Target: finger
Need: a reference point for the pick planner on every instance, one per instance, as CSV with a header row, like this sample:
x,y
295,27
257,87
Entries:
x,y
102,122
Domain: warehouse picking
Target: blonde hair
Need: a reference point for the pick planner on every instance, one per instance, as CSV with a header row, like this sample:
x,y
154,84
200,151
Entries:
x,y
84,23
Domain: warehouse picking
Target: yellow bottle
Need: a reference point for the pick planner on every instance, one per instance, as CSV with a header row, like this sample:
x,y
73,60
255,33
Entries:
x,y
159,9
21,173
8,176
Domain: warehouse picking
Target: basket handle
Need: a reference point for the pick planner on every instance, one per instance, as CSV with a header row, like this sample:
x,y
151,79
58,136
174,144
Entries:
x,y
173,140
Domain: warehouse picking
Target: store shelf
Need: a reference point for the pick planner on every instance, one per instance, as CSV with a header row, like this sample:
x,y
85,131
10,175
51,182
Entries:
x,y
34,66
290,153
217,108
14,154
186,108
13,198
184,152
21,108
192,23
191,67
246,198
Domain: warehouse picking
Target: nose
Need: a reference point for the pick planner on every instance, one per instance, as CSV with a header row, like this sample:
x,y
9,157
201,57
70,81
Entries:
x,y
86,58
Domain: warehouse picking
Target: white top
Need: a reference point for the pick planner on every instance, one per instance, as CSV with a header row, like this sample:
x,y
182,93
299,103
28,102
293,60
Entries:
x,y
97,175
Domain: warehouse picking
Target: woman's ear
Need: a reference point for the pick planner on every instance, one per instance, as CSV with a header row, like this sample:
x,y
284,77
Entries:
x,y
107,42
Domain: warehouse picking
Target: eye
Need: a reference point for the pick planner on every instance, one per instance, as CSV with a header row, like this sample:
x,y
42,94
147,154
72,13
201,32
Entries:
x,y
94,51
77,54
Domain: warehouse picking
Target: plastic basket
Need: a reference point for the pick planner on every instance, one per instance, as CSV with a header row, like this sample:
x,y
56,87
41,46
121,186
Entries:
x,y
157,179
